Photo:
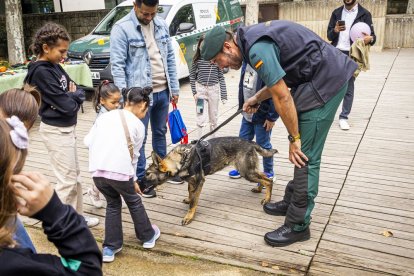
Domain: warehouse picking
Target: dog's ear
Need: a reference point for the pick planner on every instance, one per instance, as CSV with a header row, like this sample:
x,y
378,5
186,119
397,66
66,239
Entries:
x,y
162,167
156,159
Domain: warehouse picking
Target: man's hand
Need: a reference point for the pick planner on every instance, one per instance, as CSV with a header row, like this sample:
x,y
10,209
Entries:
x,y
251,105
339,28
268,125
296,156
34,189
367,38
175,99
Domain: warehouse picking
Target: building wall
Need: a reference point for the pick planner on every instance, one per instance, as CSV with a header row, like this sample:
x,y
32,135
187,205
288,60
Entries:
x,y
399,31
78,25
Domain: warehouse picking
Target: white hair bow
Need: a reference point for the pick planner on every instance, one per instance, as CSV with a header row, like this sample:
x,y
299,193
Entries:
x,y
18,134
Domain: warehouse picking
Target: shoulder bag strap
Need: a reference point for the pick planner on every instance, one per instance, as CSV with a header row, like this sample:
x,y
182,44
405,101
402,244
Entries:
x,y
126,131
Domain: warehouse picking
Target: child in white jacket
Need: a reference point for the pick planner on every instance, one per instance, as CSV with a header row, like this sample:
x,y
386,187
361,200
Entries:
x,y
113,167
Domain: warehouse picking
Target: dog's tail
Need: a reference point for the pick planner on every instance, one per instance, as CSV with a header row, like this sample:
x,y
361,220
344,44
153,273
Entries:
x,y
265,152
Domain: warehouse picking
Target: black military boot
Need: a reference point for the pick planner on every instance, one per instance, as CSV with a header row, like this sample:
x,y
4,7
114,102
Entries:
x,y
277,208
285,235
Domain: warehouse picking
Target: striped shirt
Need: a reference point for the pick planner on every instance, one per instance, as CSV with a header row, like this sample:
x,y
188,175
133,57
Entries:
x,y
207,74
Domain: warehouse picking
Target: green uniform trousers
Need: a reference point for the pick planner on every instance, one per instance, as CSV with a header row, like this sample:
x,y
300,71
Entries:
x,y
300,193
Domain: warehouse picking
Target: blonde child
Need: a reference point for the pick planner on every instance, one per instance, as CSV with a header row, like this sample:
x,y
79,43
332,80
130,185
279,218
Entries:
x,y
114,143
206,81
107,98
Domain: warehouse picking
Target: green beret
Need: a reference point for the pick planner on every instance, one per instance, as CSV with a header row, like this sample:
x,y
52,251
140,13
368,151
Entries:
x,y
213,43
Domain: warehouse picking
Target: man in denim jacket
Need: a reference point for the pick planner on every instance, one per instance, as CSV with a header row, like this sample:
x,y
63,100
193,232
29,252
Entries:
x,y
142,55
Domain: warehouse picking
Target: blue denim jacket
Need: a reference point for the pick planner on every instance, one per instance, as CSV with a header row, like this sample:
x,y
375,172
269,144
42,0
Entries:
x,y
131,66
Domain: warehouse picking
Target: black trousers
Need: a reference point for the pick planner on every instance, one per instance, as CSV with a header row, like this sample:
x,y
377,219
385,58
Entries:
x,y
112,191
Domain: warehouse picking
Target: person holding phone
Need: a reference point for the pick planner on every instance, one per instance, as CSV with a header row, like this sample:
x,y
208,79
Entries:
x,y
342,19
207,82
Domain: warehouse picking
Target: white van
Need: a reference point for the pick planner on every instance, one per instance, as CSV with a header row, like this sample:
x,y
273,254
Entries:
x,y
187,21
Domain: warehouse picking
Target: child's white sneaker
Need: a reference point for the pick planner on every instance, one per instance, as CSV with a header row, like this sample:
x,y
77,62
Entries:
x,y
95,199
91,221
151,243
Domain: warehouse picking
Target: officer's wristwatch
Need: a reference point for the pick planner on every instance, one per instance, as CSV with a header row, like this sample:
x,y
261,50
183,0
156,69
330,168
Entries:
x,y
293,139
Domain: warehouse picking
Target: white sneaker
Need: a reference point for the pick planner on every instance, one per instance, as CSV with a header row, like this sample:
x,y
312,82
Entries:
x,y
91,221
95,199
151,243
343,124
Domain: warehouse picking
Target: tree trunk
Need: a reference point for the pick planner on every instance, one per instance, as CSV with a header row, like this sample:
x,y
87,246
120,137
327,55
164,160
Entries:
x,y
14,27
410,7
252,12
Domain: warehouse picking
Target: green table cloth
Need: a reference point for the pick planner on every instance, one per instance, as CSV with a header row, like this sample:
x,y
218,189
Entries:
x,y
79,73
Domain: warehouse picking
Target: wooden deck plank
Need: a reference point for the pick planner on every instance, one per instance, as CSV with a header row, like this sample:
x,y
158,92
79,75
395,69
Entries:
x,y
378,192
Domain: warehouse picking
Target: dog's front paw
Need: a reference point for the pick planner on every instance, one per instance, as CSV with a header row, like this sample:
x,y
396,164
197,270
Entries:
x,y
264,201
186,220
186,200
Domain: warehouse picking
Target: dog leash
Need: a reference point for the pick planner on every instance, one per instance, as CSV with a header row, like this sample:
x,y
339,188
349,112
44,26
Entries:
x,y
221,125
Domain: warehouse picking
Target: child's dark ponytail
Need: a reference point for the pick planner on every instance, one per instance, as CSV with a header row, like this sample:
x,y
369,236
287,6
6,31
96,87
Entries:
x,y
103,91
136,95
197,54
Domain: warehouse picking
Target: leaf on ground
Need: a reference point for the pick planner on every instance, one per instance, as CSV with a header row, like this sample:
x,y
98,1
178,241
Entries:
x,y
276,267
265,264
387,233
306,253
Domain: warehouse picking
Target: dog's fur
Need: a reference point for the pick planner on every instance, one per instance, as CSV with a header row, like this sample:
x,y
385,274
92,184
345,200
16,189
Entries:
x,y
224,151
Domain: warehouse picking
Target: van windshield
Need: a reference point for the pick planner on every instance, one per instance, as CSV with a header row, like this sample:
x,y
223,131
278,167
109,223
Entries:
x,y
105,27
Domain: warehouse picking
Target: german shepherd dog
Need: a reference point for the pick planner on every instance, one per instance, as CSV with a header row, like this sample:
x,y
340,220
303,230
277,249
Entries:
x,y
215,154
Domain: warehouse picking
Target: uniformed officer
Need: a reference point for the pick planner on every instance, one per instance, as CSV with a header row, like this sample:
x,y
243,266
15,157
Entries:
x,y
288,55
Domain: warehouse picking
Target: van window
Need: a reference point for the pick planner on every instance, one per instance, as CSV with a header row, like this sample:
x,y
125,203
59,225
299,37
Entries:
x,y
184,15
105,27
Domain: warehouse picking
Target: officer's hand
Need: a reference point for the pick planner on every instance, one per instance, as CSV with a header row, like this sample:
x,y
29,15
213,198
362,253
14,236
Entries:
x,y
296,156
251,105
268,125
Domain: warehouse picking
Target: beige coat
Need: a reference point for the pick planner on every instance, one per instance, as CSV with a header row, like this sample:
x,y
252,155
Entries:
x,y
359,53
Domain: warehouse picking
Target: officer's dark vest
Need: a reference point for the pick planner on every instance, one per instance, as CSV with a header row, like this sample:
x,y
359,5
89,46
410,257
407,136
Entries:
x,y
315,70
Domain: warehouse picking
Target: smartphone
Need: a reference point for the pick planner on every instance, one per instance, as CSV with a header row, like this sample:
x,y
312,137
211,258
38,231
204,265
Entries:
x,y
200,106
341,22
